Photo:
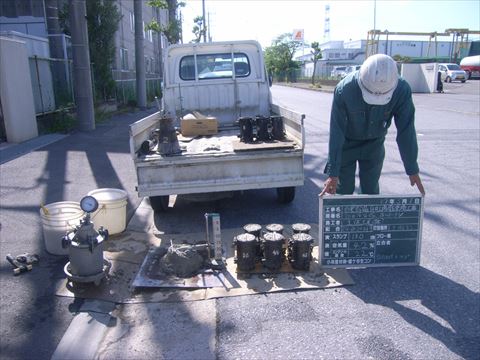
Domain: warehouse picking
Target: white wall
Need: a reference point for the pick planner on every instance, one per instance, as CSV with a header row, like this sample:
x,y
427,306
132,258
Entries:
x,y
422,78
35,45
40,69
16,92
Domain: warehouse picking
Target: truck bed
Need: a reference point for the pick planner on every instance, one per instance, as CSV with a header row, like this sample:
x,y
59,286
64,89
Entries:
x,y
215,163
226,141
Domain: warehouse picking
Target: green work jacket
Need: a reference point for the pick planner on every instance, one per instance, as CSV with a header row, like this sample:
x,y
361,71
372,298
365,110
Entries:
x,y
352,119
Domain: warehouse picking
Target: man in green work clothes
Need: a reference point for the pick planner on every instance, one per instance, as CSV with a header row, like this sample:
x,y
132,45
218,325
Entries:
x,y
364,103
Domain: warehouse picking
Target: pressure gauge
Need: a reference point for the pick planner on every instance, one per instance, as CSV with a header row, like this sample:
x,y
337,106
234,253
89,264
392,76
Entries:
x,y
89,204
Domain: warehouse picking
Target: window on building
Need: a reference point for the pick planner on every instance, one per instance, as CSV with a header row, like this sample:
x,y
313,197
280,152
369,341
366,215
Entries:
x,y
132,21
16,8
147,64
124,58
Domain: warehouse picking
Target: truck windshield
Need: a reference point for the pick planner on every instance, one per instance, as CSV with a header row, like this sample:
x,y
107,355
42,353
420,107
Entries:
x,y
214,66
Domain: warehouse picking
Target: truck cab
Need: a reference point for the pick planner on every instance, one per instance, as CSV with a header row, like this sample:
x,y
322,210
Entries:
x,y
225,82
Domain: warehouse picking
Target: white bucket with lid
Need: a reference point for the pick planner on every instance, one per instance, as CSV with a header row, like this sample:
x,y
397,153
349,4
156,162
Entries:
x,y
58,219
112,209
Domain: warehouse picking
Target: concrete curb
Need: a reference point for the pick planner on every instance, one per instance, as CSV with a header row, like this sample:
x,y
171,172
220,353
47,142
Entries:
x,y
305,86
12,151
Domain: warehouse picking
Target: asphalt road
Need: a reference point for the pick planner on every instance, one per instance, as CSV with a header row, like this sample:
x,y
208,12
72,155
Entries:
x,y
427,312
32,319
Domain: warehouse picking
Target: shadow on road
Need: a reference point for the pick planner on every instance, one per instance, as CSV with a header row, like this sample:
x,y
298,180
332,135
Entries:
x,y
33,319
438,306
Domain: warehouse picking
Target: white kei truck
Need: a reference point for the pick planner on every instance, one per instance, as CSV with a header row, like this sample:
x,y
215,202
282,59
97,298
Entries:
x,y
224,81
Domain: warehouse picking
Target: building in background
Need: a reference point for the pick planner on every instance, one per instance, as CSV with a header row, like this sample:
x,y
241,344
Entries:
x,y
124,66
23,16
347,53
36,22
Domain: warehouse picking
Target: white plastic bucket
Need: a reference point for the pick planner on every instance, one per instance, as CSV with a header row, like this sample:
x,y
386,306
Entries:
x,y
58,219
112,209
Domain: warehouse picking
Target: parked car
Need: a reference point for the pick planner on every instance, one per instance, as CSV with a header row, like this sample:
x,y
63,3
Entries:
x,y
351,69
338,72
452,72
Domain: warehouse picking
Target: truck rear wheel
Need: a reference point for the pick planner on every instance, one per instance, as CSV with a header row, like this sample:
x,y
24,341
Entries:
x,y
286,195
159,203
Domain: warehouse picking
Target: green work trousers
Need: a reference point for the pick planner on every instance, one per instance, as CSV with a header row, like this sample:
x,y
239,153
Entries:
x,y
370,155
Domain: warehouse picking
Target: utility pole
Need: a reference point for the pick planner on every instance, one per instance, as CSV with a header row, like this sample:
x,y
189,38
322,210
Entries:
x,y
209,37
326,26
53,28
81,65
55,42
204,22
139,56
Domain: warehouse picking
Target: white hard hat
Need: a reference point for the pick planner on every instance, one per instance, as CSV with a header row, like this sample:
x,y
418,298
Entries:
x,y
378,79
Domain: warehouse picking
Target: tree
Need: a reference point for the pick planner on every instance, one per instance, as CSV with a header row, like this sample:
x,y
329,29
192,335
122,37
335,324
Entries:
x,y
198,29
173,30
401,59
279,57
103,18
316,55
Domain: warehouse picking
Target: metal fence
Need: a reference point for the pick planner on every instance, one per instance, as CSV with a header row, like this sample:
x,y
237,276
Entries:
x,y
323,71
125,86
52,84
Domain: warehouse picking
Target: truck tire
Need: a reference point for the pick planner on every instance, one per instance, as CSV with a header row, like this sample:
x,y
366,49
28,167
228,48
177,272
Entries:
x,y
286,195
159,203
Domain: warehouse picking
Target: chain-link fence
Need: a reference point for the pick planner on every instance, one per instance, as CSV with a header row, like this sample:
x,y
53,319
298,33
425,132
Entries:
x,y
297,75
125,87
52,84
323,72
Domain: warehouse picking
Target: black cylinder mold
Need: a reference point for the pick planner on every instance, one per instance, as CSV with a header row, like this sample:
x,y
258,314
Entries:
x,y
255,230
273,253
166,137
246,129
265,128
245,251
278,130
300,251
278,228
301,228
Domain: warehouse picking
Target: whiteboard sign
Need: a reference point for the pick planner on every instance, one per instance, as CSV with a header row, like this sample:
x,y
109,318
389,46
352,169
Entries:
x,y
370,230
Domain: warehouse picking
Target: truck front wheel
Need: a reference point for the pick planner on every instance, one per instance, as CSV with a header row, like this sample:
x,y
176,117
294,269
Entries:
x,y
286,195
159,203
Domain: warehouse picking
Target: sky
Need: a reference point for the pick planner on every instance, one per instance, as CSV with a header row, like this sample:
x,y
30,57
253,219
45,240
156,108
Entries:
x,y
264,20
